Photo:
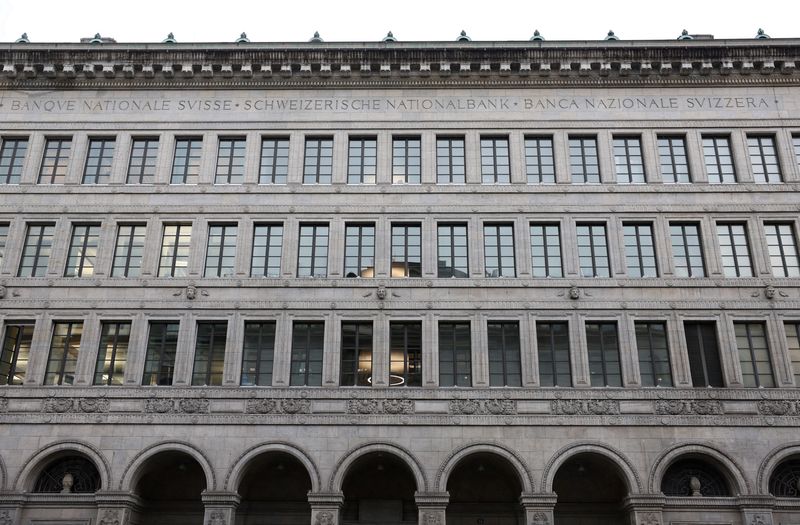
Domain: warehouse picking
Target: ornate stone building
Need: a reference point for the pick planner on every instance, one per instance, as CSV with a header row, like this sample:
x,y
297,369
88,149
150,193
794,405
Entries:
x,y
473,283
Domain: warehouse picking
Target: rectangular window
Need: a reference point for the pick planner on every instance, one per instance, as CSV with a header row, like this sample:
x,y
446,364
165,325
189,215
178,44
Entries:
x,y
782,246
308,340
274,166
99,161
734,250
495,163
3,241
230,161
143,162
406,250
505,368
628,160
356,369
162,346
318,163
704,362
362,157
546,250
36,252
12,157
221,252
453,257
209,353
539,161
719,160
405,354
16,352
63,356
793,343
175,248
651,342
602,345
129,250
674,160
498,246
751,340
640,251
267,250
186,163
687,250
112,356
552,341
312,257
55,161
455,354
796,145
450,163
359,250
764,159
593,250
583,162
83,250
258,354
406,160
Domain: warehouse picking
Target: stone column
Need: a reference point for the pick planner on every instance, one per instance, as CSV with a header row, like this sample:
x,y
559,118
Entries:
x,y
220,507
538,508
10,508
644,509
756,510
115,507
431,507
325,507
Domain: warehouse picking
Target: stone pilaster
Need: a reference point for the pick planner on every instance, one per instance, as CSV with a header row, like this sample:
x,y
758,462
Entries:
x,y
756,510
115,508
538,508
10,507
431,507
325,507
220,507
644,509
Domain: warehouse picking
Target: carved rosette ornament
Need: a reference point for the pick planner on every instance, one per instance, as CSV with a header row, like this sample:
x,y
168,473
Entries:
x,y
217,517
650,519
193,406
3,292
94,405
58,405
5,517
540,518
775,408
324,518
494,407
585,407
110,517
760,519
159,406
179,406
431,518
680,407
3,408
278,406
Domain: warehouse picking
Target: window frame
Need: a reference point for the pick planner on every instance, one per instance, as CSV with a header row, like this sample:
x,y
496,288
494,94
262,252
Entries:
x,y
759,375
215,265
231,165
36,269
449,246
166,356
553,353
502,261
148,159
653,377
274,162
691,269
406,158
446,172
737,268
365,255
61,160
268,247
603,360
580,142
359,158
16,159
314,271
112,361
15,352
129,247
787,270
502,352
78,264
758,162
644,271
406,261
308,349
492,165
716,160
628,144
454,324
546,257
264,353
214,353
673,163
173,256
317,172
412,362
188,172
593,248
57,366
104,159
533,151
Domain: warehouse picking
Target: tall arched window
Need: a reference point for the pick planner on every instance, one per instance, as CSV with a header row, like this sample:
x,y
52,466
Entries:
x,y
69,474
785,480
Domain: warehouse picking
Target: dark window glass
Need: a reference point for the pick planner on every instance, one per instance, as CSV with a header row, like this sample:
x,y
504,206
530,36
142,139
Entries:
x,y
782,246
258,354
628,160
99,161
751,340
230,161
552,341
796,145
498,246
640,251
719,160
274,161
308,340
362,160
593,250
583,162
186,163
359,250
455,354
651,342
312,256
55,161
453,256
674,160
764,159
602,344
267,250
143,162
405,354
687,250
406,250
63,358
704,363
83,250
505,368
85,477
36,252
318,164
16,352
785,479
129,250
162,346
450,166
12,157
546,250
3,241
734,250
793,343
495,163
356,367
221,251
175,249
209,353
112,356
539,162
406,160
681,478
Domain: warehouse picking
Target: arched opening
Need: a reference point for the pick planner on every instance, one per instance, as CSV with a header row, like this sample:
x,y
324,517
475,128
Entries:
x,y
694,477
785,479
379,489
590,489
484,488
68,474
274,489
170,484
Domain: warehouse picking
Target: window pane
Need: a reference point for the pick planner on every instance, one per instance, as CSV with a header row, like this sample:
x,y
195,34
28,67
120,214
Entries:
x,y
307,350
221,250
583,161
230,161
539,161
640,254
175,248
603,349
162,346
63,357
186,163
674,160
12,157
274,166
719,160
143,162
754,358
455,354
782,247
498,245
406,250
312,259
406,160
16,352
318,163
734,250
453,258
495,163
112,356
552,341
687,250
209,353
359,250
55,161
593,250
505,367
405,354
258,353
36,251
793,344
267,250
628,161
654,364
83,250
546,250
99,160
129,251
764,159
450,163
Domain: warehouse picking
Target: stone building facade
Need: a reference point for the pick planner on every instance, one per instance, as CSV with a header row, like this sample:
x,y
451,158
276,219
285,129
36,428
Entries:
x,y
468,283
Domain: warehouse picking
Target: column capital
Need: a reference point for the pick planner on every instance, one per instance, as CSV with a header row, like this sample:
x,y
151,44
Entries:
x,y
326,498
117,498
431,498
533,499
644,501
220,498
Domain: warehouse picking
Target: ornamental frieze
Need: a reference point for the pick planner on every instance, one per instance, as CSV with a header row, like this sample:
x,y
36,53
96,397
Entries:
x,y
497,407
375,406
777,408
278,406
585,407
682,407
176,406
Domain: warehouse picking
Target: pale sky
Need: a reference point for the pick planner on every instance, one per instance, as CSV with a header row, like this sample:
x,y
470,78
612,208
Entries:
x,y
369,20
